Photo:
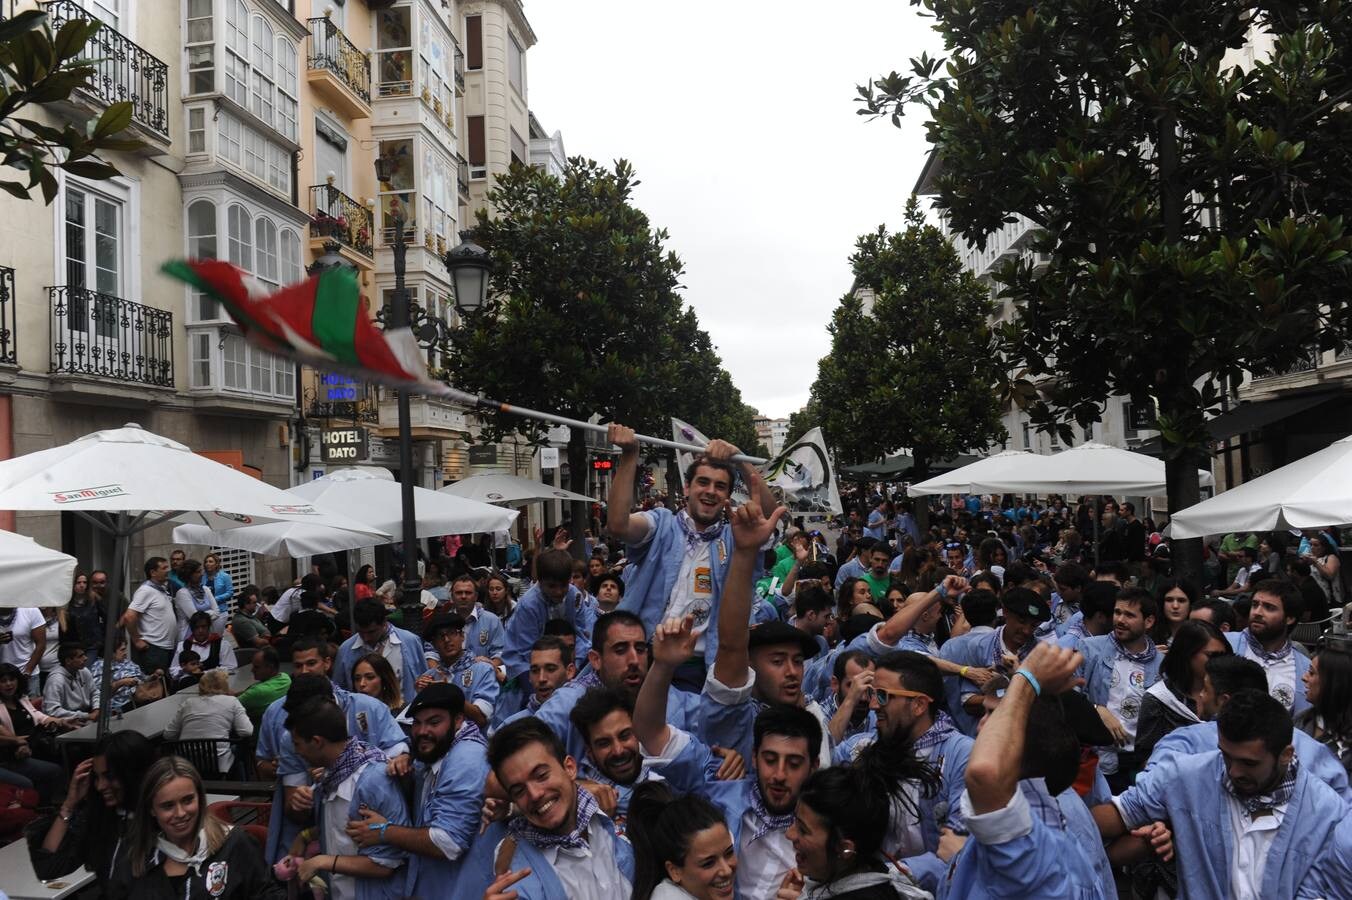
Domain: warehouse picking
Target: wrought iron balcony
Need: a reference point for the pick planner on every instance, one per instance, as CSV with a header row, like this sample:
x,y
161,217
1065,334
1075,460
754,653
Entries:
x,y
462,175
331,50
459,66
9,304
338,216
122,70
106,336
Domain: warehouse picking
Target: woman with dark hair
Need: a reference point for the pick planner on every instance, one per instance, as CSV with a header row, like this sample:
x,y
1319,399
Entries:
x,y
844,815
373,676
992,556
854,592
88,828
86,616
24,731
1175,698
1328,688
176,849
1175,598
1326,568
194,597
499,598
364,585
682,846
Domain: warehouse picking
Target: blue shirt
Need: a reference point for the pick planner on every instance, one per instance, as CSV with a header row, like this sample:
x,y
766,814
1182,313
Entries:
x,y
527,625
477,680
543,883
484,634
450,801
378,791
412,662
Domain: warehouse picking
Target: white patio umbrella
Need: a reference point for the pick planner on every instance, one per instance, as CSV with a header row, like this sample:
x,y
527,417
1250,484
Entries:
x,y
959,481
373,495
125,480
509,490
293,539
33,575
1090,468
1309,493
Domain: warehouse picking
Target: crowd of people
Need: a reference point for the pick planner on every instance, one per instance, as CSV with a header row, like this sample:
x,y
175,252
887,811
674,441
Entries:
x,y
983,699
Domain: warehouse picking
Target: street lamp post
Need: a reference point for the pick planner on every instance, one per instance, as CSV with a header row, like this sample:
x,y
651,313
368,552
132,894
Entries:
x,y
398,318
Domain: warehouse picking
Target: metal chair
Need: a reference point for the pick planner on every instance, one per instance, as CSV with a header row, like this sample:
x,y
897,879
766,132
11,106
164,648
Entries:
x,y
1307,634
204,754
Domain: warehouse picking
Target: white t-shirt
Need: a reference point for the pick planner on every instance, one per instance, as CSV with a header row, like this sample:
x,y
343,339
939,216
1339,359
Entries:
x,y
693,592
158,625
336,841
285,605
20,647
1253,840
50,661
1281,676
1124,695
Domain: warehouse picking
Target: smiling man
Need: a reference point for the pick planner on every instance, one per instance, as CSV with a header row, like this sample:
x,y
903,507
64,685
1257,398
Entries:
x,y
559,845
678,562
451,771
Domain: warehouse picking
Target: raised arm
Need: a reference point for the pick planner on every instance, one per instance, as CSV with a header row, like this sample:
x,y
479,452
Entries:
x,y
673,644
904,619
750,530
621,523
997,756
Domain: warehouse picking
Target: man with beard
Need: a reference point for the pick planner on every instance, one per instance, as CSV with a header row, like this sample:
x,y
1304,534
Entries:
x,y
352,776
1118,667
1276,608
758,811
678,562
559,846
475,678
451,771
1002,649
1248,820
848,704
618,660
904,697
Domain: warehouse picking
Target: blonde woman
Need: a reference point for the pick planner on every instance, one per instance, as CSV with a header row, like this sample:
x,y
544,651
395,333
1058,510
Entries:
x,y
211,714
174,849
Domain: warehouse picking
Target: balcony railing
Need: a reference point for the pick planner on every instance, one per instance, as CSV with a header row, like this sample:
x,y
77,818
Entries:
x,y
122,70
99,334
462,175
9,345
459,66
330,49
338,216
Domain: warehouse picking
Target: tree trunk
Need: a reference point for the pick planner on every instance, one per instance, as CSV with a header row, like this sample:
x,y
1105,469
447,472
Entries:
x,y
1184,490
920,505
579,513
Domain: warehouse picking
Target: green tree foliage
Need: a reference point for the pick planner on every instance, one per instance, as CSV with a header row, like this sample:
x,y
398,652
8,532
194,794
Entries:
x,y
917,371
1189,199
587,318
38,68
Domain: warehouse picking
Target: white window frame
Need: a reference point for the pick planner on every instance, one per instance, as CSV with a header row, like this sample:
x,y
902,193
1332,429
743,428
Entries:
x,y
190,45
124,190
195,250
516,65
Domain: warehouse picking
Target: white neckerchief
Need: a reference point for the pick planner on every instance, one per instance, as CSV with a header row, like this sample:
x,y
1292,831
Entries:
x,y
1161,692
176,853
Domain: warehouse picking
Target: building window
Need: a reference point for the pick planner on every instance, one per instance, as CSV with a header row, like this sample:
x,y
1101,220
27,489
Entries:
x,y
235,362
201,50
266,251
398,194
231,142
291,272
237,52
199,359
262,97
478,148
286,87
239,229
109,12
516,66
197,130
474,42
255,150
519,153
394,51
202,245
1027,436
93,242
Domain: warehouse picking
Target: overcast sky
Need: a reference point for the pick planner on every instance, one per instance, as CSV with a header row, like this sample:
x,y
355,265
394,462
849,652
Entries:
x,y
740,120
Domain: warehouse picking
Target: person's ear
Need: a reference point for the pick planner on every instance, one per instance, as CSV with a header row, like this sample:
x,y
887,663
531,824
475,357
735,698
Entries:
x,y
673,872
847,848
594,659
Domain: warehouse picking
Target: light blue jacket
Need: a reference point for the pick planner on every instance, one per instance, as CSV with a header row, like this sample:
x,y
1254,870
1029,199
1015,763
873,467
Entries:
x,y
1097,669
542,883
852,568
1331,877
378,791
477,680
412,661
221,587
527,625
453,806
484,634
1315,758
975,650
367,719
683,712
1024,856
655,564
1240,644
1187,791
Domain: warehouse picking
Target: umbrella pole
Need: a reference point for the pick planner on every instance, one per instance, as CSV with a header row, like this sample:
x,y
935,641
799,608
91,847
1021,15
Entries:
x,y
122,548
1094,510
352,589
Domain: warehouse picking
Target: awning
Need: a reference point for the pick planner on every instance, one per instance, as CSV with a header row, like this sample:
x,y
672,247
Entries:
x,y
1249,417
900,468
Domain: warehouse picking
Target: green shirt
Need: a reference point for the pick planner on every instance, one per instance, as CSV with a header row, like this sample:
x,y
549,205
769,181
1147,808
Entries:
x,y
247,629
877,586
1231,543
258,696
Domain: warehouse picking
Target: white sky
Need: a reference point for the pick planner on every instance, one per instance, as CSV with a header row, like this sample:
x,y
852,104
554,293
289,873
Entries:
x,y
740,121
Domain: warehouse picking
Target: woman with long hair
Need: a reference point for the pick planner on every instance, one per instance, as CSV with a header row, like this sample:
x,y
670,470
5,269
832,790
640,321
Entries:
x,y
89,827
499,598
25,735
682,846
217,581
1175,698
175,849
1326,568
193,597
845,814
1328,688
212,714
363,586
373,676
854,592
992,556
1175,599
86,616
